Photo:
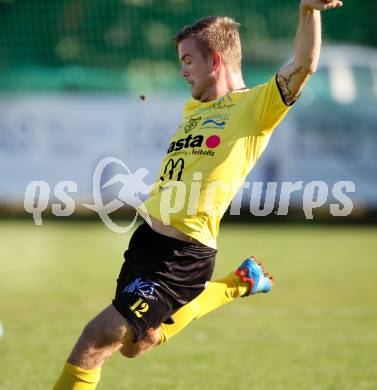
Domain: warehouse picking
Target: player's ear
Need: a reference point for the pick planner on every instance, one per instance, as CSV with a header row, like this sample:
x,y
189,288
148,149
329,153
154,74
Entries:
x,y
217,61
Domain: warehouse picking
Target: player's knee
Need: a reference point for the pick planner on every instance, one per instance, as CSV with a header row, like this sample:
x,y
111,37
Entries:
x,y
132,350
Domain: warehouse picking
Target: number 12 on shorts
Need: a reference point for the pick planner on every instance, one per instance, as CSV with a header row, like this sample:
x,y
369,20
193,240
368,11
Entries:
x,y
139,308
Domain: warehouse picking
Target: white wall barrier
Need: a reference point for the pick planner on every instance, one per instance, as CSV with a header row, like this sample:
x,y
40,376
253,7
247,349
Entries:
x,y
56,138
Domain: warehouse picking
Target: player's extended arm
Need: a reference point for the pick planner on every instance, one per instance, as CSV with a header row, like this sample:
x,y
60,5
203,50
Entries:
x,y
293,76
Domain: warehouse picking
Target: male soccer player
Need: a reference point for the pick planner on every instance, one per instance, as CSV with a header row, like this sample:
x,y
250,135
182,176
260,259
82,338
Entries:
x,y
225,128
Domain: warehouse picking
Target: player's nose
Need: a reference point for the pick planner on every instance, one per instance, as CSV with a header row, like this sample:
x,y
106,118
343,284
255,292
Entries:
x,y
184,72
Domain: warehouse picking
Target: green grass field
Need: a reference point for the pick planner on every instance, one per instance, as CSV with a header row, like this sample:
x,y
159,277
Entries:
x,y
316,330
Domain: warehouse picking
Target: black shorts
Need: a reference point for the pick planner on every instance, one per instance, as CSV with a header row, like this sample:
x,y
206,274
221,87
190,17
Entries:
x,y
159,275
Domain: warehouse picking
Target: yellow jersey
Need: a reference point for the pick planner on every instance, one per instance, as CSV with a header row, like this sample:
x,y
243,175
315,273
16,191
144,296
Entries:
x,y
209,157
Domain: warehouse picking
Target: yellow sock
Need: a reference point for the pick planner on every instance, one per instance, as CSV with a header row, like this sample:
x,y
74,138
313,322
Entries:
x,y
76,378
216,294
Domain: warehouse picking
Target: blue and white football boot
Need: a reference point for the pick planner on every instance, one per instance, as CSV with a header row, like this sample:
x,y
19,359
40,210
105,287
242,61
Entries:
x,y
251,272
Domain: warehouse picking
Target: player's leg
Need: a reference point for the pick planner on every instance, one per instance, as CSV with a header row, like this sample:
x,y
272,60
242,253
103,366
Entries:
x,y
216,294
129,326
249,278
101,337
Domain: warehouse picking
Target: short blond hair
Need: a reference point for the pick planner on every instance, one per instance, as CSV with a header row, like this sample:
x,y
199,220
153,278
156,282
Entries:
x,y
215,34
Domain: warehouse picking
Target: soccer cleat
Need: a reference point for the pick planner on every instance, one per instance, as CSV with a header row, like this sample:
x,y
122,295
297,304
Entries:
x,y
249,271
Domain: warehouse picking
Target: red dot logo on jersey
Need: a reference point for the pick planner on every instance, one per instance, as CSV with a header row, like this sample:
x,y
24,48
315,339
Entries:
x,y
213,141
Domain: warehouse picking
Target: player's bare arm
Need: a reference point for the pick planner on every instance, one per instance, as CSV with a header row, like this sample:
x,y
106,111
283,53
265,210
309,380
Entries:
x,y
293,76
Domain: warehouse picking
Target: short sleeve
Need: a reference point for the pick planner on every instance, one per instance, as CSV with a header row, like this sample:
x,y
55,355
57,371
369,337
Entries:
x,y
268,106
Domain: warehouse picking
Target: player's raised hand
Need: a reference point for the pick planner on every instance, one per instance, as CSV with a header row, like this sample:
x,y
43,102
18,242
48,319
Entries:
x,y
320,5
